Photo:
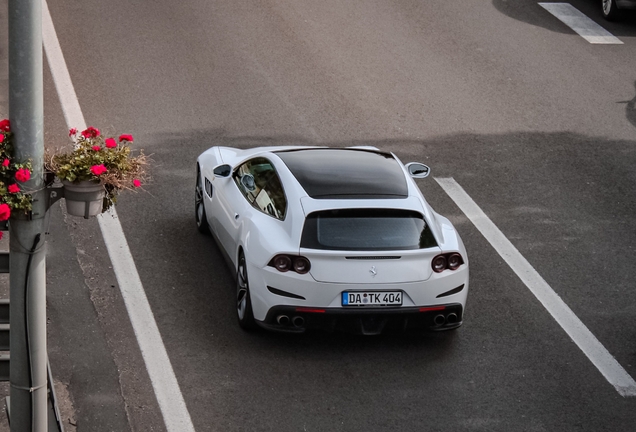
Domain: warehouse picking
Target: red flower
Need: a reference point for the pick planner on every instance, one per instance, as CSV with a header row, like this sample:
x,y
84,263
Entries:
x,y
111,143
126,138
1,138
97,148
98,169
13,188
90,132
5,125
22,175
1,235
5,212
72,131
5,163
136,183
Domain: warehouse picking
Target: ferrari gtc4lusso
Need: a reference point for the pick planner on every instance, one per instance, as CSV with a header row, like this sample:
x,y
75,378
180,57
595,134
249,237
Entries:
x,y
331,238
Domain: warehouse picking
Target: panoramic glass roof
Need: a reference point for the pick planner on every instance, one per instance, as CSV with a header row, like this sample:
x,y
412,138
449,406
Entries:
x,y
346,173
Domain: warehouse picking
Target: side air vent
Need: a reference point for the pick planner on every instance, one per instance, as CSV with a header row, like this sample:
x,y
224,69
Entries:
x,y
451,292
208,187
373,257
284,293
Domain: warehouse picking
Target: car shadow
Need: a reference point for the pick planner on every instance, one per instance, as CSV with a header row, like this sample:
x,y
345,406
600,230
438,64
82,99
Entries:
x,y
195,288
532,13
630,108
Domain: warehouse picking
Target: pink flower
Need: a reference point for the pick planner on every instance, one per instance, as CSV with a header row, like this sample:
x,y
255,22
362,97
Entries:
x,y
72,131
22,175
1,138
5,163
5,125
98,169
110,143
96,148
126,138
90,132
5,212
13,188
136,183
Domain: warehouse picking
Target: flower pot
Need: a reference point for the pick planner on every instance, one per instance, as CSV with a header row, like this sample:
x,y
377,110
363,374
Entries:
x,y
83,199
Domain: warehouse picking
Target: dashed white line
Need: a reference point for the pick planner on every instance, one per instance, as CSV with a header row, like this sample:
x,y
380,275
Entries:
x,y
573,326
173,408
580,23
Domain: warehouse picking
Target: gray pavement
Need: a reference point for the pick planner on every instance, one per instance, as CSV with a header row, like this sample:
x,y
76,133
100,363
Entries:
x,y
532,121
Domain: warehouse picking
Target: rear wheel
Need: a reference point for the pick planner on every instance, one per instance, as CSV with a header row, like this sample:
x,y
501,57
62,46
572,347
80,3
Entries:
x,y
199,207
610,11
243,300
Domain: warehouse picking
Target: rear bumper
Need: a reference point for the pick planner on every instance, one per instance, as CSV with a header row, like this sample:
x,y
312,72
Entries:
x,y
272,289
363,320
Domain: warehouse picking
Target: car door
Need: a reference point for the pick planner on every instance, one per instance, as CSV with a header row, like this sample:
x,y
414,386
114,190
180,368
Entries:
x,y
226,213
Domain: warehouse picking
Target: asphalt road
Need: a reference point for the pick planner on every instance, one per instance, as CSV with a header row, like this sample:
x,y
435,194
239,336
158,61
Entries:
x,y
536,124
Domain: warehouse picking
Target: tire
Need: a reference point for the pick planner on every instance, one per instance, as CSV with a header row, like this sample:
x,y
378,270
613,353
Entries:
x,y
199,207
610,11
243,300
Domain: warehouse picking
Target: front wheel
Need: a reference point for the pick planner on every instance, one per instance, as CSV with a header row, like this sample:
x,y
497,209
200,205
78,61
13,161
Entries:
x,y
610,11
243,300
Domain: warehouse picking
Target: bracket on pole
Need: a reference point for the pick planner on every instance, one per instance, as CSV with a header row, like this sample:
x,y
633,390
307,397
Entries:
x,y
55,192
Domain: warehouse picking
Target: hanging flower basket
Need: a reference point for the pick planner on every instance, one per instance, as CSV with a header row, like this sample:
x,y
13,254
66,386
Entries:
x,y
96,170
15,199
84,199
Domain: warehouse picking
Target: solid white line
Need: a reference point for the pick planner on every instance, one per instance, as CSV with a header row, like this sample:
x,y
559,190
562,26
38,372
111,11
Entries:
x,y
173,408
573,326
580,23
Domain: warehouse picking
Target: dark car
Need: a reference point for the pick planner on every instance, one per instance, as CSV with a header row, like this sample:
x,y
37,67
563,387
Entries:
x,y
612,8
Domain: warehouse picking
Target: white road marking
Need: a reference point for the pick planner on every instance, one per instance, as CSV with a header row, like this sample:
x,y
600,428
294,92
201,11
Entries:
x,y
580,23
173,408
573,326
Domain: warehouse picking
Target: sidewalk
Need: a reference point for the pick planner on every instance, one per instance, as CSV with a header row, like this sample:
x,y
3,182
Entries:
x,y
65,404
100,377
4,113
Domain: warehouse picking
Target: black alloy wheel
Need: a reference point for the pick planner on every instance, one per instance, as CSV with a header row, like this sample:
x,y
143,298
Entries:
x,y
199,207
243,301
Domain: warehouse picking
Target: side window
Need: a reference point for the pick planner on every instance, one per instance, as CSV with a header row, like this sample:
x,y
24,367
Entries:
x,y
258,182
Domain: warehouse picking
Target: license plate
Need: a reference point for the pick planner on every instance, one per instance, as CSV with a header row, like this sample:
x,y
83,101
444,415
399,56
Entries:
x,y
372,298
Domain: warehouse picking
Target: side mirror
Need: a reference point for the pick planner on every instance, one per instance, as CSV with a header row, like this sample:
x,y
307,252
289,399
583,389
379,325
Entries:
x,y
418,170
222,171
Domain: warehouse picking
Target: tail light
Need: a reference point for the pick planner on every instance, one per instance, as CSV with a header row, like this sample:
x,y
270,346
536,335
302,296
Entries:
x,y
301,265
454,261
283,263
439,263
450,261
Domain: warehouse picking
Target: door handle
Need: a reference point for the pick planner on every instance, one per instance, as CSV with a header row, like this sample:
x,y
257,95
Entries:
x,y
236,216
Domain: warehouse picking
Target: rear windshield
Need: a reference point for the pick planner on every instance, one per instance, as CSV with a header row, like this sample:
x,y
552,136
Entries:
x,y
366,230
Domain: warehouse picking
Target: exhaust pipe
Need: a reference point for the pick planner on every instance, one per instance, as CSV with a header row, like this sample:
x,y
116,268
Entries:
x,y
451,318
282,320
439,320
298,321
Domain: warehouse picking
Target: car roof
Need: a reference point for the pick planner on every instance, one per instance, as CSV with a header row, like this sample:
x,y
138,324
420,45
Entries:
x,y
327,173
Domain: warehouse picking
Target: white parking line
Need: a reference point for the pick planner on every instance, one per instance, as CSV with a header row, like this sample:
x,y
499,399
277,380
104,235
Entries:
x,y
580,23
173,408
573,326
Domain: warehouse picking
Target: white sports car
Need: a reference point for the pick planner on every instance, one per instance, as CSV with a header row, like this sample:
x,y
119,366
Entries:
x,y
331,238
